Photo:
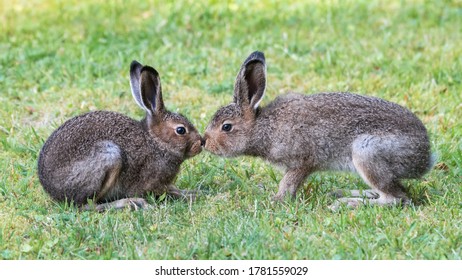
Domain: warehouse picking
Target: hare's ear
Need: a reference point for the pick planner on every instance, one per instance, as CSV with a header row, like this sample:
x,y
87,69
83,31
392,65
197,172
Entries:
x,y
251,81
151,91
135,74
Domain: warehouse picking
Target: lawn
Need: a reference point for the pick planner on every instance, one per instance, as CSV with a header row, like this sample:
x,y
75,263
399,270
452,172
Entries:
x,y
59,59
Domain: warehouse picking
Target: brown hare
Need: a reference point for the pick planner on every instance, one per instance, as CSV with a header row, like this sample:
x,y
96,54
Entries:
x,y
381,141
115,160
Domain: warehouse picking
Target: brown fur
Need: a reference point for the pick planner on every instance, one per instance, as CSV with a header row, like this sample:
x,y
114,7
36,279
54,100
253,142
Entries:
x,y
381,140
107,156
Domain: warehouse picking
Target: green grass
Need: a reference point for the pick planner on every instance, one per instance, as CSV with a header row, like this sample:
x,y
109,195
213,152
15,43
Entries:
x,y
62,58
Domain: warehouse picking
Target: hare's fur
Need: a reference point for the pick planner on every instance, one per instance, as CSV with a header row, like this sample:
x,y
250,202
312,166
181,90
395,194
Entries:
x,y
115,160
382,141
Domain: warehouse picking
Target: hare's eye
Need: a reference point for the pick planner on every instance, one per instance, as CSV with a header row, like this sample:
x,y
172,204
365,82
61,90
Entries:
x,y
227,127
180,130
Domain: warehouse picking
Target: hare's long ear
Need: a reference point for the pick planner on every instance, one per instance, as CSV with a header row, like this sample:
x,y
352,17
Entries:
x,y
151,91
135,75
251,81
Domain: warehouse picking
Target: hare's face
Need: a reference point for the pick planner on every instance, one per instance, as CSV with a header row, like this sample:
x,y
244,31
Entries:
x,y
231,129
228,132
178,134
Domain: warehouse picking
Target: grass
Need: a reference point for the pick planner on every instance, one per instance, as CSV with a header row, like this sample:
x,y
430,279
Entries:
x,y
62,58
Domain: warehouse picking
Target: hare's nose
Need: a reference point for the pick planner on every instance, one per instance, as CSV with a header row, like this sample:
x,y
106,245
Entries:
x,y
202,141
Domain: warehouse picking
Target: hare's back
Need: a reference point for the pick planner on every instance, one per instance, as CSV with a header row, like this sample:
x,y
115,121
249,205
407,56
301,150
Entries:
x,y
347,113
75,138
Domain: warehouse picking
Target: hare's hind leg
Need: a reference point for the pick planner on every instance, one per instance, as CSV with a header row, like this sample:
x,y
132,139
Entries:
x,y
95,175
371,194
131,203
377,160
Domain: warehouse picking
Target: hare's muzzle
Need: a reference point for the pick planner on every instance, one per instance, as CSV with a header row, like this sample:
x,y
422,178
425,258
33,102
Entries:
x,y
195,148
210,144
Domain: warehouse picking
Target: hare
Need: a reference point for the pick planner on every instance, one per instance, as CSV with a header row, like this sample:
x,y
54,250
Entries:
x,y
115,160
381,141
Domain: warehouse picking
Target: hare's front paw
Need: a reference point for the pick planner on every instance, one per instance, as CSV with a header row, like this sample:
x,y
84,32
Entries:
x,y
182,194
278,197
190,195
136,203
